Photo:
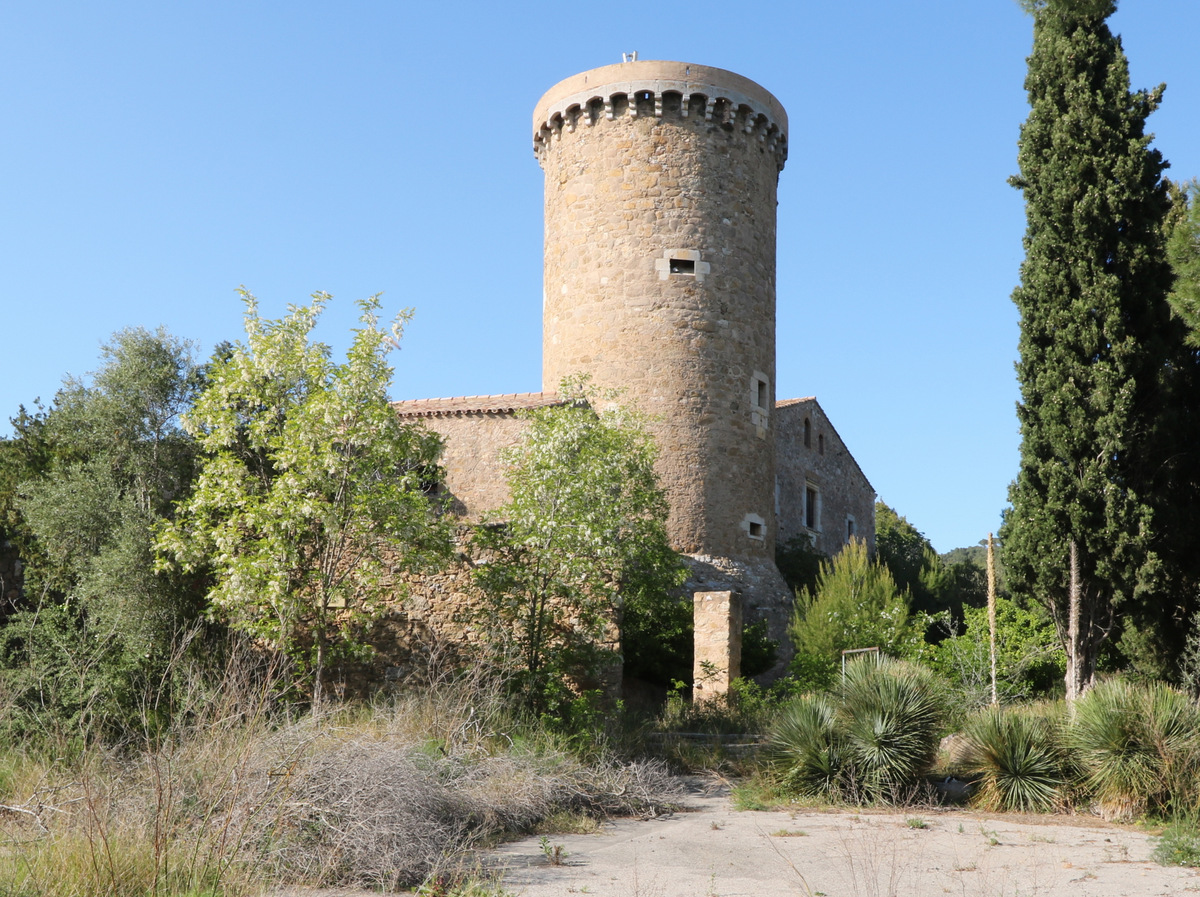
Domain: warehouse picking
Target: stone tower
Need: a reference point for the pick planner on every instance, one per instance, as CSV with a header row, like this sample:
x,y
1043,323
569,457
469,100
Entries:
x,y
660,280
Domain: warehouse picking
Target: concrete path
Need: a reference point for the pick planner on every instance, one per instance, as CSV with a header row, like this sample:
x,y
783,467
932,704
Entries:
x,y
711,850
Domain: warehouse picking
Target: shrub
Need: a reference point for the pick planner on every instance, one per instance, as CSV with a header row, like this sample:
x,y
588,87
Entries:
x,y
805,748
1179,845
1138,747
1016,753
873,741
891,717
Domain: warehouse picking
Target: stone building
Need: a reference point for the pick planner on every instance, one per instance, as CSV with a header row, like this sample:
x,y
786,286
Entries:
x,y
823,494
659,279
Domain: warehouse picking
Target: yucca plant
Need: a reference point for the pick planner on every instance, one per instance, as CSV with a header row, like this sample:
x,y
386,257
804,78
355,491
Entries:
x,y
1137,746
891,718
1018,757
805,750
1173,727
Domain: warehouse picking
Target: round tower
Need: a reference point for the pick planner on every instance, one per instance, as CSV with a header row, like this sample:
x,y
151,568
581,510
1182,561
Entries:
x,y
660,280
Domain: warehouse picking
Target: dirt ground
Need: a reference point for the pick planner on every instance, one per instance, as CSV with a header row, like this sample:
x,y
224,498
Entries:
x,y
715,851
711,850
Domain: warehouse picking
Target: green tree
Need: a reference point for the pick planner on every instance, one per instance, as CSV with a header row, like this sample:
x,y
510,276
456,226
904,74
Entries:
x,y
311,489
910,557
856,604
1096,334
579,553
1183,252
1029,655
97,473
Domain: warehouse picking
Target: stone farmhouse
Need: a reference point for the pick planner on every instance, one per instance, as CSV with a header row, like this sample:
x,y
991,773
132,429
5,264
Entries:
x,y
659,280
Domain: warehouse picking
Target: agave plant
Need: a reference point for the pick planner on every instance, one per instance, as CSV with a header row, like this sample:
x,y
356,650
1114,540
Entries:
x,y
1016,753
891,717
805,749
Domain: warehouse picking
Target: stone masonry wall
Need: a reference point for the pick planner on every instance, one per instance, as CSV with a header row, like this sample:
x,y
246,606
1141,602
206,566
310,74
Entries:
x,y
660,197
824,464
475,430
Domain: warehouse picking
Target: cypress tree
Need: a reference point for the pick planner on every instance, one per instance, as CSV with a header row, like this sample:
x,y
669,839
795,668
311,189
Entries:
x,y
1096,335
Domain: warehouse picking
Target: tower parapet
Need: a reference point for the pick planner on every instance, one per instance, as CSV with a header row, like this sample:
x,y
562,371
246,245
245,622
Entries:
x,y
656,88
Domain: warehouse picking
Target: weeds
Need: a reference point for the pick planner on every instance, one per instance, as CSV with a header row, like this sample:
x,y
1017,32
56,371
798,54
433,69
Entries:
x,y
240,794
555,854
1179,845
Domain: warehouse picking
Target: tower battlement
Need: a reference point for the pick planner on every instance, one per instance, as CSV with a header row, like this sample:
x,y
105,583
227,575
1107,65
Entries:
x,y
661,89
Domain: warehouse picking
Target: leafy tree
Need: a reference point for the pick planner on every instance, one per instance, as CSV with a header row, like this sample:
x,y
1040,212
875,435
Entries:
x,y
579,553
910,557
939,586
311,489
97,473
1029,656
1096,335
856,604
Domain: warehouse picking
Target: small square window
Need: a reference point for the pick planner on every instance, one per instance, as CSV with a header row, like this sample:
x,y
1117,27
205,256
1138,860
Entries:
x,y
756,530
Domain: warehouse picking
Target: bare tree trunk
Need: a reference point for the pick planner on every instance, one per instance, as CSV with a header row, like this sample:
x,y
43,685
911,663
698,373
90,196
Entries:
x,y
991,593
319,672
1076,651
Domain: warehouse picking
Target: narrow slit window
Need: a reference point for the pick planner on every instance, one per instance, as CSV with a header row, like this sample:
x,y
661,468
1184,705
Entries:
x,y
811,517
762,393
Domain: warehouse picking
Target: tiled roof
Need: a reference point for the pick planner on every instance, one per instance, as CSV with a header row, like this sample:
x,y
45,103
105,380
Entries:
x,y
464,405
783,403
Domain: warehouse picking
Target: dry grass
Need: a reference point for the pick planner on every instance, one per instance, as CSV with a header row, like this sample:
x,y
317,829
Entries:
x,y
238,796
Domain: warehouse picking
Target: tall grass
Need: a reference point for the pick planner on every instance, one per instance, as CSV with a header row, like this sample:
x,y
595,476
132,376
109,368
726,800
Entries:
x,y
241,793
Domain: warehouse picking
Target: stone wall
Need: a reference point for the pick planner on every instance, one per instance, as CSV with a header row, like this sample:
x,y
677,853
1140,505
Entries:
x,y
428,628
811,463
476,430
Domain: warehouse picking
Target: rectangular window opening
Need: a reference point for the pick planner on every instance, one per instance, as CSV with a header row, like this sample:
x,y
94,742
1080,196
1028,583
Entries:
x,y
756,530
762,394
810,507
683,266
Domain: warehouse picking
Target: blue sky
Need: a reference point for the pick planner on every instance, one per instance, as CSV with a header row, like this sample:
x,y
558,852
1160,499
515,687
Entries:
x,y
158,155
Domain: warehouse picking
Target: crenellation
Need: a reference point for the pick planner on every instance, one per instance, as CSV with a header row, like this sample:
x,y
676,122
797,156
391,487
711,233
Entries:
x,y
750,110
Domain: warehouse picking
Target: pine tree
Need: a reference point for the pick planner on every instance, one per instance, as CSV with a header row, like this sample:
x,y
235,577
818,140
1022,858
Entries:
x,y
1096,334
